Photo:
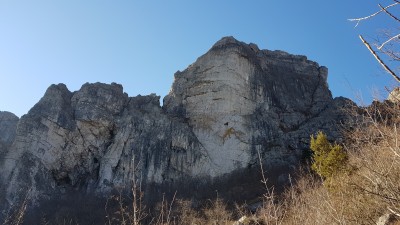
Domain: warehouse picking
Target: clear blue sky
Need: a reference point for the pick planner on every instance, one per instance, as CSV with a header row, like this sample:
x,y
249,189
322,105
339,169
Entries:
x,y
141,44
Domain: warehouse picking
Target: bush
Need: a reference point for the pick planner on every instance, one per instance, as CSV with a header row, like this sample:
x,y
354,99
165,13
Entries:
x,y
328,159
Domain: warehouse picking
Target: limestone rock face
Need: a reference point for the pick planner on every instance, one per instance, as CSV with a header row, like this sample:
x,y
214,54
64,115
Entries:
x,y
233,104
240,100
87,140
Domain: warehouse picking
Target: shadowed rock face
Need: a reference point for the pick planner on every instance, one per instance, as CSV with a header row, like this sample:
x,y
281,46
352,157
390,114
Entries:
x,y
8,126
87,139
234,102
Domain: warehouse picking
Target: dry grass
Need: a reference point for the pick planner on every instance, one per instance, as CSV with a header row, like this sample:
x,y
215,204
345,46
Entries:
x,y
364,193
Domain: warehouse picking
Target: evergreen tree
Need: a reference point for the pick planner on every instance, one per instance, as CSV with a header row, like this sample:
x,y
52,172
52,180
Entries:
x,y
328,159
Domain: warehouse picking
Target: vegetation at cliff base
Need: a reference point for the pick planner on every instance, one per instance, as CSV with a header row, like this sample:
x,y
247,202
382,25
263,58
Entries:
x,y
328,159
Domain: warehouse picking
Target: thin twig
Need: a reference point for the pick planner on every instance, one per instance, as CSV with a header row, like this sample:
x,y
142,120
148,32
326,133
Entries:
x,y
379,59
394,212
391,54
375,193
170,208
264,180
389,40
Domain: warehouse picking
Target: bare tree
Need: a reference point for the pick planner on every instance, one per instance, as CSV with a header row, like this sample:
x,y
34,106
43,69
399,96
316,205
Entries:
x,y
391,42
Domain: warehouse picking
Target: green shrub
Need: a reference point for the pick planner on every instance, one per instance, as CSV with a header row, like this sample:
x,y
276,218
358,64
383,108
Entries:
x,y
328,159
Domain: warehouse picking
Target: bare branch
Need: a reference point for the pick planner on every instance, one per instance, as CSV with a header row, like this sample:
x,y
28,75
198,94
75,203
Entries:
x,y
387,12
395,18
372,15
389,40
379,59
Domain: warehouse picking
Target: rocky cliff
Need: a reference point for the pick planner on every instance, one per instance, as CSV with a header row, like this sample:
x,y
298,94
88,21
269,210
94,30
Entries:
x,y
234,103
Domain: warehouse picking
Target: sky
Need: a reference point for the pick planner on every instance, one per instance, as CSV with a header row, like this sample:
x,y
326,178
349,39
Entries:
x,y
141,44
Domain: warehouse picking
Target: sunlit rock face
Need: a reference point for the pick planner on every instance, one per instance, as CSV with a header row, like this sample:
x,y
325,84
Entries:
x,y
233,105
240,100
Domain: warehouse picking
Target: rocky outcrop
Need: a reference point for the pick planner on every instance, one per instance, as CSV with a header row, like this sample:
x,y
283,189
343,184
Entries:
x,y
240,100
234,103
87,140
394,95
